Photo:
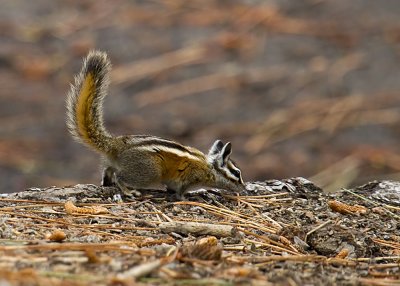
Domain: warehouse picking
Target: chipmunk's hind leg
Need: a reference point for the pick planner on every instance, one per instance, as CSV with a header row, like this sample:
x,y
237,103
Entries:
x,y
127,190
108,177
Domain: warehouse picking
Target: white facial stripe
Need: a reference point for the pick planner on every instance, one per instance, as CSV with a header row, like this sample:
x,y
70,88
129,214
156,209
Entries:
x,y
231,176
169,150
227,171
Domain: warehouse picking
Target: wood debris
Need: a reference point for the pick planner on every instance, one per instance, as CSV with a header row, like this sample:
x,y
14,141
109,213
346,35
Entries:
x,y
70,208
207,248
347,209
196,228
57,236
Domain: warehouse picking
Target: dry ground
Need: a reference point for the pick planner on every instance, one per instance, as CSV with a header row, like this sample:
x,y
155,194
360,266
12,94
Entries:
x,y
276,233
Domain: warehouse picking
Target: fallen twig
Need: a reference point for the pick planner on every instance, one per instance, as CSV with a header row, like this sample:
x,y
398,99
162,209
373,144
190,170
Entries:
x,y
195,228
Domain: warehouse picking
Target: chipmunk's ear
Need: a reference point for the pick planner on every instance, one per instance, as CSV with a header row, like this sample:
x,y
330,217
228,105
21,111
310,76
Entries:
x,y
216,148
226,152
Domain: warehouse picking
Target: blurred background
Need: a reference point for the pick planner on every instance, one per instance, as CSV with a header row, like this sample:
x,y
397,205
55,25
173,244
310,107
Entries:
x,y
300,87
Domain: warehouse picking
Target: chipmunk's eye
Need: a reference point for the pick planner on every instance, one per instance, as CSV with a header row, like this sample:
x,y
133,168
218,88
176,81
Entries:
x,y
236,173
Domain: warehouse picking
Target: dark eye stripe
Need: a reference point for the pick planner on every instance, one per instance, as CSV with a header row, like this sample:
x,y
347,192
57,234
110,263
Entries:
x,y
235,171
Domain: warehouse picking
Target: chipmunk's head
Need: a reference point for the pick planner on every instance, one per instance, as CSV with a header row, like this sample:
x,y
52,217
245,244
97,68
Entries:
x,y
227,175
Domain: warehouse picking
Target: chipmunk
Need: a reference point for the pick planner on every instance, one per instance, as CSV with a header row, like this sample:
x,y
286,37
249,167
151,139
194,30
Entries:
x,y
141,161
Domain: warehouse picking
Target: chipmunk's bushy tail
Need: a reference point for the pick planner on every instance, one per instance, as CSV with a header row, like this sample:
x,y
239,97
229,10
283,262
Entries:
x,y
85,103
